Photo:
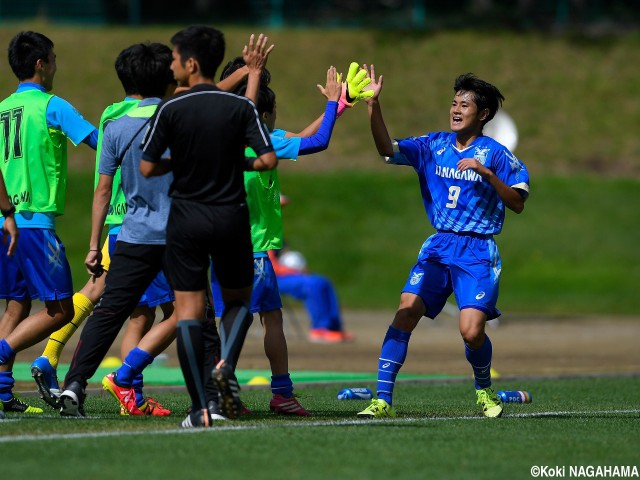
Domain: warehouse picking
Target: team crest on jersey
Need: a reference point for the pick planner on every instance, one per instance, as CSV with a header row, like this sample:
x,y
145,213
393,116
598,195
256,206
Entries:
x,y
481,154
416,278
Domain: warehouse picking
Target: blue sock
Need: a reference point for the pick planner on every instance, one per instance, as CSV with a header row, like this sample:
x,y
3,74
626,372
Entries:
x,y
6,386
138,385
392,356
6,352
282,384
480,360
133,364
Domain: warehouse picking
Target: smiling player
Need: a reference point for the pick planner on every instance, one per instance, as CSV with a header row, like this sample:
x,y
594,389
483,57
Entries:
x,y
466,180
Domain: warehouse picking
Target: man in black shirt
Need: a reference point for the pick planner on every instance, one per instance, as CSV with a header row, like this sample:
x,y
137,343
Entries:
x,y
206,131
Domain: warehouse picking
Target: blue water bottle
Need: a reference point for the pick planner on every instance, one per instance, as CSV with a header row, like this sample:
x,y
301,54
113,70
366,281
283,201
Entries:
x,y
515,396
355,394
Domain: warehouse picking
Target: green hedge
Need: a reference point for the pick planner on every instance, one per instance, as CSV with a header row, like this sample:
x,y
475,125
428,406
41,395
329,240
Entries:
x,y
572,251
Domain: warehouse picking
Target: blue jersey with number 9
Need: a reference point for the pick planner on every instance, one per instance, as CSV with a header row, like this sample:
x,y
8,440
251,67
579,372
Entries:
x,y
461,201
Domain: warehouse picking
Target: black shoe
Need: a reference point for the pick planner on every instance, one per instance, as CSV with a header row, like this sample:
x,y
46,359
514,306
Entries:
x,y
197,419
228,391
18,406
214,411
72,401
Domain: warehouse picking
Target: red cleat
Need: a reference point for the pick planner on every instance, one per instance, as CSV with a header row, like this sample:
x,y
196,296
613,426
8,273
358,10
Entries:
x,y
287,406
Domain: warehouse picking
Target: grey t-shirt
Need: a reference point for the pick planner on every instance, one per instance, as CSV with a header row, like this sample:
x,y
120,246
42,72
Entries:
x,y
148,202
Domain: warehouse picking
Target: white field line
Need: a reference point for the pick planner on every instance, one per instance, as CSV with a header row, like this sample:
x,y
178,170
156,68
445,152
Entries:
x,y
230,426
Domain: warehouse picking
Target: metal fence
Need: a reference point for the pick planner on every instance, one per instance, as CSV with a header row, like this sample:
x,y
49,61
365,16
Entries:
x,y
397,14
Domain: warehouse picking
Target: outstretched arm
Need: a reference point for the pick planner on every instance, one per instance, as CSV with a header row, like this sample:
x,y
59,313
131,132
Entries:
x,y
232,81
319,140
314,126
256,59
309,130
317,135
378,128
356,82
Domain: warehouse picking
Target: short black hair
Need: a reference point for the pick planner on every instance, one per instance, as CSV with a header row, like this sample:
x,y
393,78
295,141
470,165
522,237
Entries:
x,y
25,49
150,69
266,98
236,64
484,94
202,43
123,70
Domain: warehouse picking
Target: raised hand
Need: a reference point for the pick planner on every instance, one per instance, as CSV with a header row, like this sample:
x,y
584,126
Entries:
x,y
256,55
333,88
356,82
375,86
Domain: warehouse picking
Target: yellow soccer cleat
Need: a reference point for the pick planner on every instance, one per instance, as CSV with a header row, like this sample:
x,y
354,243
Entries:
x,y
378,409
18,406
490,402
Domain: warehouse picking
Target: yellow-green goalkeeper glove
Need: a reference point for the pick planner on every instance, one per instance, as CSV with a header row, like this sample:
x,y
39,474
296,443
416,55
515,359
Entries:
x,y
353,88
357,80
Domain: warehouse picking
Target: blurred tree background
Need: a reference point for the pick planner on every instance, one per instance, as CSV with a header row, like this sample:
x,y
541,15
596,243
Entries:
x,y
595,16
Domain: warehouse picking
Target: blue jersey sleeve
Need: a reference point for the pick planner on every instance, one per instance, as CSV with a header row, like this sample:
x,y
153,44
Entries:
x,y
411,151
62,116
92,139
285,148
511,171
319,141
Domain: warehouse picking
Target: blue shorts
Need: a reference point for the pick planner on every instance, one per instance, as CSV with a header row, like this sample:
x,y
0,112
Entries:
x,y
265,295
12,284
38,269
158,292
466,265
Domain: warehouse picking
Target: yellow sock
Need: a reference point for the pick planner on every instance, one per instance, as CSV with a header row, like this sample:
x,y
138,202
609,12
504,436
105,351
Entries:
x,y
83,308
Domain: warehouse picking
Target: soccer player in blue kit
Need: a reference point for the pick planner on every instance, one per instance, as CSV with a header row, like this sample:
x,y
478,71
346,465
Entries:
x,y
466,180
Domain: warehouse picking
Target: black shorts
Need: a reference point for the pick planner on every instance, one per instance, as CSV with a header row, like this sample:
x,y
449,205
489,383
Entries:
x,y
196,233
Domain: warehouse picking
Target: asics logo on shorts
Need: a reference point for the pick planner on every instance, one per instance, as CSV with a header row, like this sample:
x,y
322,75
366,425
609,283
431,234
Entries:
x,y
54,258
258,268
416,278
480,296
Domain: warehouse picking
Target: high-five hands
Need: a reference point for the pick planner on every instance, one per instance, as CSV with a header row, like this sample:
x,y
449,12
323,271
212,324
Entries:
x,y
333,88
356,82
256,55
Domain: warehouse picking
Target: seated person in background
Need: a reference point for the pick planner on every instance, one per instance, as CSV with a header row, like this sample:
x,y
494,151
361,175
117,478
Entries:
x,y
317,293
